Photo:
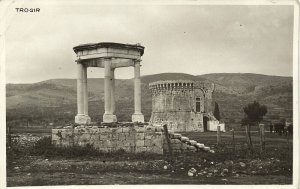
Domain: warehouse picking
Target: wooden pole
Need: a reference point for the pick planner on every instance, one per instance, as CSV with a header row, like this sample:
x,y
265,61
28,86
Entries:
x,y
249,137
233,141
9,136
262,137
169,142
218,135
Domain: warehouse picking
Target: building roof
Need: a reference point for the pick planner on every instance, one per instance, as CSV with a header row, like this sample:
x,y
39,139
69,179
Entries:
x,y
89,46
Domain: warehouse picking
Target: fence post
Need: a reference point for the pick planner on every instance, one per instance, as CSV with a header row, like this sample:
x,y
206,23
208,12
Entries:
x,y
9,136
218,135
169,142
249,138
262,137
233,141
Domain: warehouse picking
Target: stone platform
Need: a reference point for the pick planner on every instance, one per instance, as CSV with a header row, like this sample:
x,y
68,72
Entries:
x,y
130,138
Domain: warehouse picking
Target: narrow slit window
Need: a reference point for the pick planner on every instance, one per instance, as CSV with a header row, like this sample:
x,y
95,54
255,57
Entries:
x,y
198,109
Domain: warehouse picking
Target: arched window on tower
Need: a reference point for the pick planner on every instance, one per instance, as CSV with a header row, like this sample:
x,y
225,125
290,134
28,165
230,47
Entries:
x,y
198,105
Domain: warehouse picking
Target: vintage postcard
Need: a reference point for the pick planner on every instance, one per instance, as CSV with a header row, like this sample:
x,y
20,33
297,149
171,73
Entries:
x,y
154,93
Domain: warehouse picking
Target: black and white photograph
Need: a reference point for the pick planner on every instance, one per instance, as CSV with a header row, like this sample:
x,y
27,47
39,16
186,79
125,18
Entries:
x,y
160,93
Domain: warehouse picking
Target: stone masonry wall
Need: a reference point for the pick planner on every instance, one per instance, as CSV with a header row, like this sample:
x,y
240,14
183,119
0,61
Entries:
x,y
130,139
181,104
178,121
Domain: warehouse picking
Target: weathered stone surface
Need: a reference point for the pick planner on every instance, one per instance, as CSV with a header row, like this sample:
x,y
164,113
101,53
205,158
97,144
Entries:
x,y
184,139
140,149
121,136
184,146
108,118
192,142
94,138
124,129
140,143
104,130
177,136
140,136
148,136
114,136
191,148
138,118
105,136
199,145
82,119
149,129
181,104
159,129
175,141
171,135
155,149
176,146
117,130
130,139
107,143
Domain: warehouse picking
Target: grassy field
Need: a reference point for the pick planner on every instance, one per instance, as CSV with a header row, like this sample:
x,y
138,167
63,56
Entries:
x,y
47,165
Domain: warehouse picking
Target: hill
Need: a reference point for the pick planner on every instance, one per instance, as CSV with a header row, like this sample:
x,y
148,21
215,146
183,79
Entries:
x,y
54,101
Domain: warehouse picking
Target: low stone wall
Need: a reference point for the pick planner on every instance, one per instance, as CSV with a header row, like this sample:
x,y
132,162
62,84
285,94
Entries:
x,y
132,139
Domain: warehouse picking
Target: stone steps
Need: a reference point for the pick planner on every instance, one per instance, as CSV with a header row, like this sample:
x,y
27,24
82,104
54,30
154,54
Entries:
x,y
181,143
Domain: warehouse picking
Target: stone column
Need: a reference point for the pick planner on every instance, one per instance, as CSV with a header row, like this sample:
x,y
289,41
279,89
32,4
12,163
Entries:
x,y
80,118
108,116
85,95
112,95
137,116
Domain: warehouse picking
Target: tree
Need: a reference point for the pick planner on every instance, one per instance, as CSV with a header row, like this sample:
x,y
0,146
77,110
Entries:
x,y
254,115
255,112
217,112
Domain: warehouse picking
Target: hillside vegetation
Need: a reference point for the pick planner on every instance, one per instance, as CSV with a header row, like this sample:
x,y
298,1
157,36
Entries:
x,y
54,101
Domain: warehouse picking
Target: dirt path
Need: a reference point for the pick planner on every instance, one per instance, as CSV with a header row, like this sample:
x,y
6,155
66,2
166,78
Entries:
x,y
61,178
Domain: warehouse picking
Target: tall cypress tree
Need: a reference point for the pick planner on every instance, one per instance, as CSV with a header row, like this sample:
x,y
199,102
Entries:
x,y
217,112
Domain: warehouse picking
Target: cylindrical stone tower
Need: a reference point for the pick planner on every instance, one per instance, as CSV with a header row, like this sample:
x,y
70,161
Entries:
x,y
181,104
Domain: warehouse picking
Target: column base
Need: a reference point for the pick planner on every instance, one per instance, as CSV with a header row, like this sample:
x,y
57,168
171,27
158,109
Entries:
x,y
138,118
109,118
114,118
82,119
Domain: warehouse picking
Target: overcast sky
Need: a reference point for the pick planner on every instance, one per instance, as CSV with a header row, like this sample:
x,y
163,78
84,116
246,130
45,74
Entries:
x,y
193,39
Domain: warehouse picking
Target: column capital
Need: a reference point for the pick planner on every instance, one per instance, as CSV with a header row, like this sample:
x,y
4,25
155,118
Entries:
x,y
136,61
107,58
79,61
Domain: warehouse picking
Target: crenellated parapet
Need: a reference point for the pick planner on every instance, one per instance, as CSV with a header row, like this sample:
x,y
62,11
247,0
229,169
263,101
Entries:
x,y
172,85
180,86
